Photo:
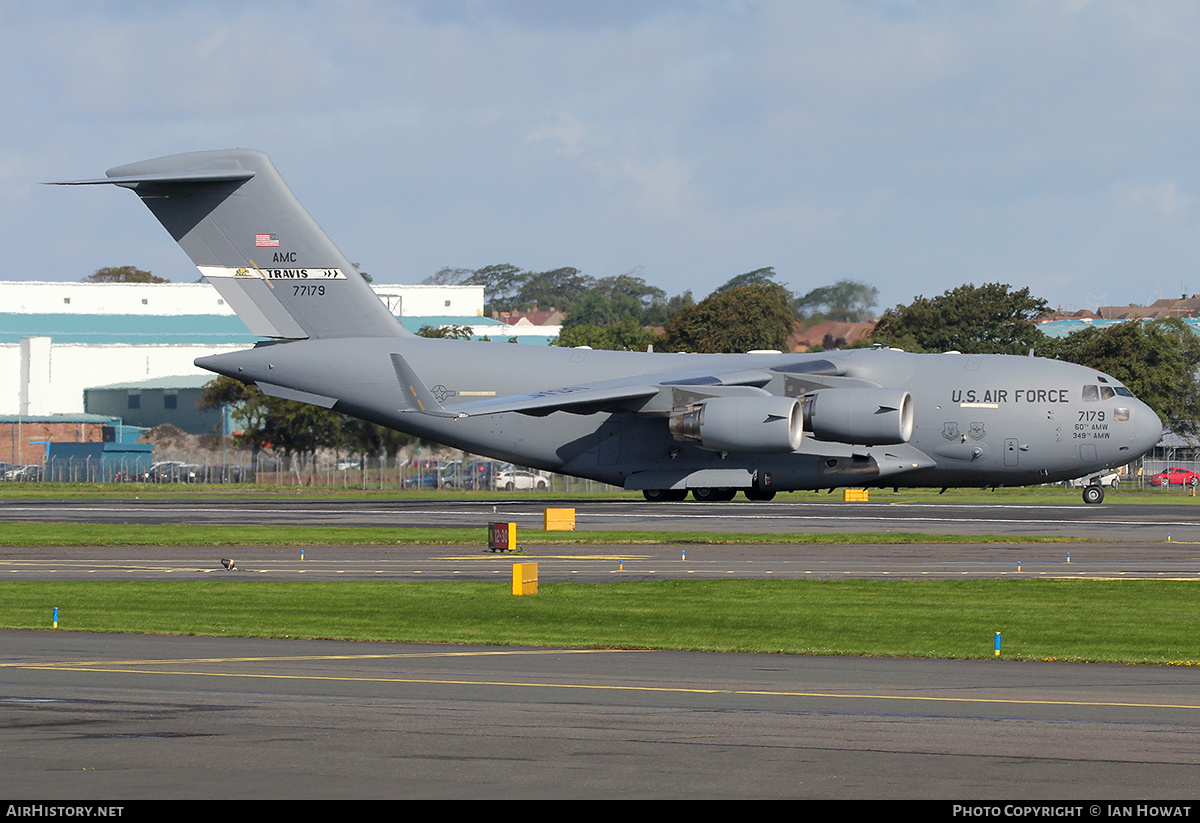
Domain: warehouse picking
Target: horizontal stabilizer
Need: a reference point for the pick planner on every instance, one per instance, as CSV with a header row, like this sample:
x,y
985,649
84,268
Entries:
x,y
284,393
200,176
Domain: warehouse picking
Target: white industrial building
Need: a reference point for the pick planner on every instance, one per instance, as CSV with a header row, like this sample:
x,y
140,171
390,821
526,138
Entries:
x,y
57,339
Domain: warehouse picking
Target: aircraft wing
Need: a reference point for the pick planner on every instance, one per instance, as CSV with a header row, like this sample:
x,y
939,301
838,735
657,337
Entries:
x,y
622,394
644,394
567,398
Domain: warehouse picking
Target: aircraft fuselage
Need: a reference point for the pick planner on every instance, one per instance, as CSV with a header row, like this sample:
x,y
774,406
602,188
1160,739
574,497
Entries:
x,y
979,420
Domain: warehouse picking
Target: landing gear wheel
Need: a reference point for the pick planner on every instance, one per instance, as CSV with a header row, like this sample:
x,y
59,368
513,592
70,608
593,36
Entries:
x,y
759,495
713,495
664,495
1093,494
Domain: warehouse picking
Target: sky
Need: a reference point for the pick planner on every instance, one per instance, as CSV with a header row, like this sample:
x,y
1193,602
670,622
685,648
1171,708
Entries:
x,y
913,146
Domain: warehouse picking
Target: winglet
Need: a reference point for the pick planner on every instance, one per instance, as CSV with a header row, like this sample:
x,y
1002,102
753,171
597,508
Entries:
x,y
415,394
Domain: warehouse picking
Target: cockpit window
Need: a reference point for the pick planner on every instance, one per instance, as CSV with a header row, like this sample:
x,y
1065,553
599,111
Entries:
x,y
1093,394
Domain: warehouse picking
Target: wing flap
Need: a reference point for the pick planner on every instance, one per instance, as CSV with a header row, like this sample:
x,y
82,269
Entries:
x,y
567,398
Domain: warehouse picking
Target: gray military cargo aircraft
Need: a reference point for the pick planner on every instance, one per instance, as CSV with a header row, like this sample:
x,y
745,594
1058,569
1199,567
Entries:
x,y
665,424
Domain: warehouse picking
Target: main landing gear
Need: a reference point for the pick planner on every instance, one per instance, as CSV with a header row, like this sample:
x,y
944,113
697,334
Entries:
x,y
706,495
1093,494
664,495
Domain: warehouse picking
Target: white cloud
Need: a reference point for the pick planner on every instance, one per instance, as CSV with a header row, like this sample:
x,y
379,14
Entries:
x,y
916,146
1163,199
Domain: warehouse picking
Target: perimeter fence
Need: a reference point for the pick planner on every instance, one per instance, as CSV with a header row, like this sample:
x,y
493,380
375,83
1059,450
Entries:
x,y
1160,473
328,472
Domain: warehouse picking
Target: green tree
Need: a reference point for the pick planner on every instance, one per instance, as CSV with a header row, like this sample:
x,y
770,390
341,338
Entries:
x,y
287,427
295,430
741,319
360,437
559,288
448,331
598,309
844,301
624,335
501,283
992,318
758,277
614,299
123,274
660,311
508,288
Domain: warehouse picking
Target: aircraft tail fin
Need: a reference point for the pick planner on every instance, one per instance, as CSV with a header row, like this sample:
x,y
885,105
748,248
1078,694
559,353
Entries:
x,y
238,221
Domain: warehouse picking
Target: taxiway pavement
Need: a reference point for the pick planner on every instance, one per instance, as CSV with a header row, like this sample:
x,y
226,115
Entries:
x,y
1147,522
113,716
87,716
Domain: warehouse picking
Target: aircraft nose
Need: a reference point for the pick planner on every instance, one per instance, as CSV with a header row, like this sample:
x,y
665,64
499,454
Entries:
x,y
1147,428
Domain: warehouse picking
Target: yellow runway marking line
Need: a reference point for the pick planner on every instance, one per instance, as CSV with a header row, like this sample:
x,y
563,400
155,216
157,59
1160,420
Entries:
x,y
111,669
316,657
532,556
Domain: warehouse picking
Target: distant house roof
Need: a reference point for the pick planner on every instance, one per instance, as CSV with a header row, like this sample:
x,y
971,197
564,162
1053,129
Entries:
x,y
1131,312
550,317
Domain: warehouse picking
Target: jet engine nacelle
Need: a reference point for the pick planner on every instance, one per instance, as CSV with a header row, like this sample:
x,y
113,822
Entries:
x,y
866,417
741,424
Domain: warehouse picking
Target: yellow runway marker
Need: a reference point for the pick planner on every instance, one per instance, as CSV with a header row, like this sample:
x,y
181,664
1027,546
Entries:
x,y
316,657
114,668
535,556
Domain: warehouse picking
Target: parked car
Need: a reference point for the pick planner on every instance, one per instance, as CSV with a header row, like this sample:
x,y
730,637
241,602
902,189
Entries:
x,y
429,479
481,474
517,479
171,471
1109,480
24,474
1175,477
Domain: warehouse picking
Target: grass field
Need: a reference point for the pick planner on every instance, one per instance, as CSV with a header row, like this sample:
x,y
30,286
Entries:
x,y
1098,621
35,535
1132,621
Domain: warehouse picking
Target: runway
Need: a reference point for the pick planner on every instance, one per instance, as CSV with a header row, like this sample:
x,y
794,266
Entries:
x,y
114,716
111,716
1146,522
